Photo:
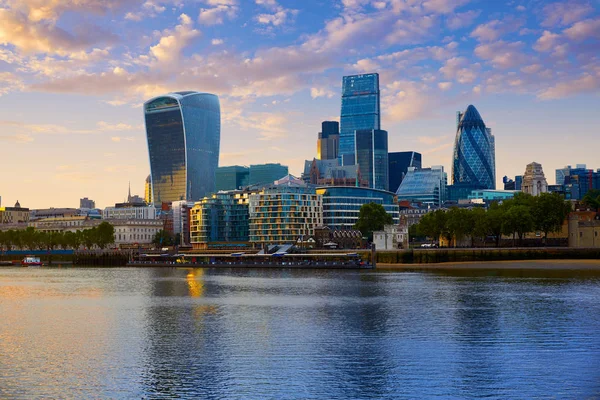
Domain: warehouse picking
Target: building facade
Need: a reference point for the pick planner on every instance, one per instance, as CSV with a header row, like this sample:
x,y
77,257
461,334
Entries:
x,y
329,140
371,149
426,185
87,203
266,174
135,232
474,159
360,111
183,131
330,173
123,211
148,190
14,215
534,180
584,229
232,177
221,220
341,205
398,164
392,237
283,214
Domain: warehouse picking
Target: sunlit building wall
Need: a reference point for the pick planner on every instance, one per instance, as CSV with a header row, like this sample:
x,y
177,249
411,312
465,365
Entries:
x,y
183,130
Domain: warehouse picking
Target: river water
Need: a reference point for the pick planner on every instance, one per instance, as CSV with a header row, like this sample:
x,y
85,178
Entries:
x,y
281,334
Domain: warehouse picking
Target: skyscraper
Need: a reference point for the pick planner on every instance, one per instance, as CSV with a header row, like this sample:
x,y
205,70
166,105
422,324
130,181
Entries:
x,y
261,174
329,140
371,148
232,177
398,166
360,111
183,131
474,160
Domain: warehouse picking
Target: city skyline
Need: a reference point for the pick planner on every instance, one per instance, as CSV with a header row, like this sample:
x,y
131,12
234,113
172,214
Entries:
x,y
73,79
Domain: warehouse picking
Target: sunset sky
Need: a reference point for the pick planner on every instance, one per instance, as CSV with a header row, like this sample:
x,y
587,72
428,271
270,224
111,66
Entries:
x,y
74,73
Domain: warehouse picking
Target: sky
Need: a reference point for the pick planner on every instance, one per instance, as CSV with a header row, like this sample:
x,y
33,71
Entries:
x,y
74,75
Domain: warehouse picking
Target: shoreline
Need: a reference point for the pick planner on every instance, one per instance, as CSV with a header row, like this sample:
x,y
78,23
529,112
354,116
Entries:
x,y
545,265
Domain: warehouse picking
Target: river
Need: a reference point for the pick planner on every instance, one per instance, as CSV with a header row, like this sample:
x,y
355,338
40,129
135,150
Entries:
x,y
298,334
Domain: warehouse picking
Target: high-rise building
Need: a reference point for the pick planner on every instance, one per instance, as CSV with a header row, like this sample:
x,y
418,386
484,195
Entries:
x,y
360,111
426,185
183,131
398,163
148,190
330,173
329,140
87,203
265,174
371,149
534,180
474,152
232,177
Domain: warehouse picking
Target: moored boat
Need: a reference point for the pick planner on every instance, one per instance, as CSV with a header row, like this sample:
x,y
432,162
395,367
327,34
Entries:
x,y
31,261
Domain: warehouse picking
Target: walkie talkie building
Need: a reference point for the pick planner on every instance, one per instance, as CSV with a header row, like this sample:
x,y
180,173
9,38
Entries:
x,y
183,130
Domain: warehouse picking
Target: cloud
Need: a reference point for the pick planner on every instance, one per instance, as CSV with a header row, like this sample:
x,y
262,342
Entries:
x,y
107,127
170,45
216,42
584,29
269,125
150,9
496,29
319,92
445,85
16,138
587,83
502,54
456,68
217,15
406,100
276,19
565,13
547,41
119,139
462,20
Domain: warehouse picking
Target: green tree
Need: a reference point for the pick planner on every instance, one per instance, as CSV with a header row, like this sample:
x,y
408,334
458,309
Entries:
x,y
105,235
372,217
13,239
88,237
29,238
549,212
3,240
162,238
459,224
494,220
481,225
592,199
517,221
433,224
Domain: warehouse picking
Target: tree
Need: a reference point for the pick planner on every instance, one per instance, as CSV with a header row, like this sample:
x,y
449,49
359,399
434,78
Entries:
x,y
481,225
592,199
517,220
459,223
549,212
372,217
494,221
29,238
105,235
88,237
433,224
162,238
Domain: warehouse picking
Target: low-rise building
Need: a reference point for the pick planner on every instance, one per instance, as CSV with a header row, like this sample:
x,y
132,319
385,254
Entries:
x,y
129,211
52,213
135,232
584,229
392,237
341,204
14,215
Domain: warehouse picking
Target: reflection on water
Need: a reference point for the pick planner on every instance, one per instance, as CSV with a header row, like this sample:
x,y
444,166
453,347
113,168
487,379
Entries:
x,y
287,334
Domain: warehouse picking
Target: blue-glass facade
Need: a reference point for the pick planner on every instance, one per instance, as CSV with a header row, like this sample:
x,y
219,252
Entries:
x,y
427,185
398,163
360,111
341,204
232,177
183,130
266,174
372,157
474,152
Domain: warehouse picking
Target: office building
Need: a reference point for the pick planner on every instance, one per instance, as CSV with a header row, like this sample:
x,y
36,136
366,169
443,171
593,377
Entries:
x,y
135,233
130,211
232,177
14,215
329,140
577,181
284,214
459,191
484,196
330,173
266,174
183,131
426,185
360,111
221,221
87,203
474,159
341,205
181,221
398,164
534,180
371,149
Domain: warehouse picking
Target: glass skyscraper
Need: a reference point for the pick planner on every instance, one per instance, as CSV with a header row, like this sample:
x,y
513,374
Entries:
x,y
360,111
426,185
232,178
474,160
183,130
398,166
372,157
261,174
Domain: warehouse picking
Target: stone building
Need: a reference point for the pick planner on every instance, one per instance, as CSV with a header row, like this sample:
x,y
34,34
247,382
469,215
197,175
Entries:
x,y
584,229
534,180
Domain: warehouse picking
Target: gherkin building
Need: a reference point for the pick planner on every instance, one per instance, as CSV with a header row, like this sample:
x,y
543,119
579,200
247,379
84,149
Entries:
x,y
474,160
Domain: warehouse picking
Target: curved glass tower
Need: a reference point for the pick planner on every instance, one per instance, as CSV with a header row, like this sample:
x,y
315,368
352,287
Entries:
x,y
474,160
183,130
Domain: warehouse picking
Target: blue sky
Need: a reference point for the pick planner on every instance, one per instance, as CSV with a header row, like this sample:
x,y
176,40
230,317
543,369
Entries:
x,y
74,73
